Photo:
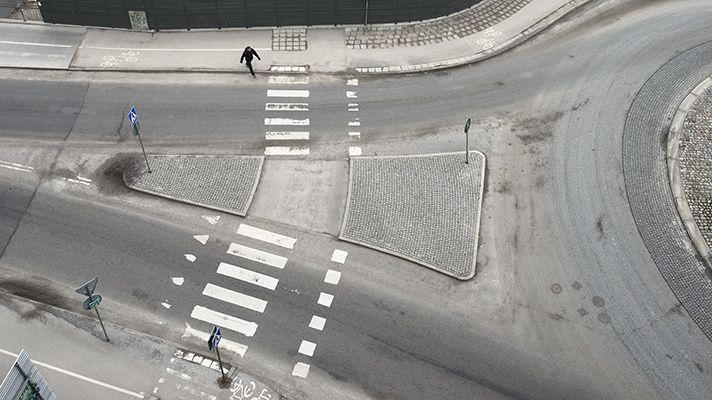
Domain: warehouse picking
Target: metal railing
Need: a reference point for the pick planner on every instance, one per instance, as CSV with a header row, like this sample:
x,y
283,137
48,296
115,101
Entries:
x,y
22,12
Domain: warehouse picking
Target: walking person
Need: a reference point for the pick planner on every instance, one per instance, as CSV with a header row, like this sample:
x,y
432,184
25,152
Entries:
x,y
247,56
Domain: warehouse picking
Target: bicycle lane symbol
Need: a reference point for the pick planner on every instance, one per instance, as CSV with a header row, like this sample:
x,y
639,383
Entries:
x,y
126,56
486,42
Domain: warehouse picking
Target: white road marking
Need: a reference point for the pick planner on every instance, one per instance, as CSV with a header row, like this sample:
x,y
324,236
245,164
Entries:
x,y
65,46
353,106
354,151
236,298
205,314
235,347
339,256
332,277
301,370
202,238
166,305
181,375
286,121
355,122
288,80
77,181
286,151
287,93
211,219
317,322
7,166
266,236
356,134
352,82
194,392
178,281
307,348
78,376
83,179
351,94
248,276
286,135
325,299
259,256
190,257
286,106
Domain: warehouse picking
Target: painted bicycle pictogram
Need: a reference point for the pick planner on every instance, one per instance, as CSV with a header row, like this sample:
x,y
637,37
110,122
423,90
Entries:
x,y
486,42
127,56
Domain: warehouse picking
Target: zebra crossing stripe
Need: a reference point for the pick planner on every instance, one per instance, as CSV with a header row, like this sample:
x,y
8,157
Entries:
x,y
238,348
236,298
266,236
286,121
287,107
286,151
286,135
205,314
245,275
287,93
288,80
259,256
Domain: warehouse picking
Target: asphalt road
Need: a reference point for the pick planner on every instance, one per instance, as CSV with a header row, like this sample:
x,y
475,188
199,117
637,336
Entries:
x,y
567,302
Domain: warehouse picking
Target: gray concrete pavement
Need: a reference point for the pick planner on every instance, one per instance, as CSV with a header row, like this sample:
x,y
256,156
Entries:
x,y
487,29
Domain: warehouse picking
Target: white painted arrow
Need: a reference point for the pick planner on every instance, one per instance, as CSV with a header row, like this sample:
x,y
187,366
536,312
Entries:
x,y
202,238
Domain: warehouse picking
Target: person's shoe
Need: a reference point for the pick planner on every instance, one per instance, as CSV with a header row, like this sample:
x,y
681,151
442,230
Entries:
x,y
254,76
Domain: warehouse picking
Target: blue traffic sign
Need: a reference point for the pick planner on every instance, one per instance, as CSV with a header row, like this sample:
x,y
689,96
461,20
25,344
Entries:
x,y
133,116
214,339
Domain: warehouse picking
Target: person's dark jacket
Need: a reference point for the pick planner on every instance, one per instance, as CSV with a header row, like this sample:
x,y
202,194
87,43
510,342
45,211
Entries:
x,y
247,55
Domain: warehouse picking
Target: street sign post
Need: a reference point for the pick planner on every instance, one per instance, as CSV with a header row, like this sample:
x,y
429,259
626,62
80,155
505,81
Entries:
x,y
213,342
467,141
92,301
133,118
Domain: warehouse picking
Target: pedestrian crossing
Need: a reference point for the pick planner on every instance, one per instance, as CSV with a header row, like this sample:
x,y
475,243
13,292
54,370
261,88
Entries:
x,y
248,276
298,138
256,255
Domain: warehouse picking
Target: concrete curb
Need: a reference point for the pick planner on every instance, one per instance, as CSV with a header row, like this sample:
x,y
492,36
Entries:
x,y
673,162
522,37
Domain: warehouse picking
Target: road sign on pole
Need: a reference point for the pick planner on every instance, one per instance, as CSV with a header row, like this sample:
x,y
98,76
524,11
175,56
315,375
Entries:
x,y
92,301
467,141
88,288
213,342
133,118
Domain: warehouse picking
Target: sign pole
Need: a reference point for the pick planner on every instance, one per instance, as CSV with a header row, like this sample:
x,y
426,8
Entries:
x,y
102,323
222,380
467,141
136,131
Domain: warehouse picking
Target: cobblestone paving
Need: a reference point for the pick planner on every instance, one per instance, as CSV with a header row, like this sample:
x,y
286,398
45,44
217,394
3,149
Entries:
x,y
225,183
476,18
696,162
289,39
647,184
423,208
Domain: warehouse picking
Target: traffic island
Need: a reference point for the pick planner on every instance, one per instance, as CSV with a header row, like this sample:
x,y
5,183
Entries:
x,y
688,160
223,183
423,208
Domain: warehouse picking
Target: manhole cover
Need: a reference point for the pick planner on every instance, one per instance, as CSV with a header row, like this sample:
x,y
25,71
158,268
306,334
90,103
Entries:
x,y
598,301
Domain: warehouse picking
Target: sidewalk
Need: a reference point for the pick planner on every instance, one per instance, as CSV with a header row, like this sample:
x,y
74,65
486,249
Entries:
x,y
487,29
71,353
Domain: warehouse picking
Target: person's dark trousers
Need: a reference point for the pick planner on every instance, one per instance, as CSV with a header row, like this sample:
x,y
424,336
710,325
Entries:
x,y
249,65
